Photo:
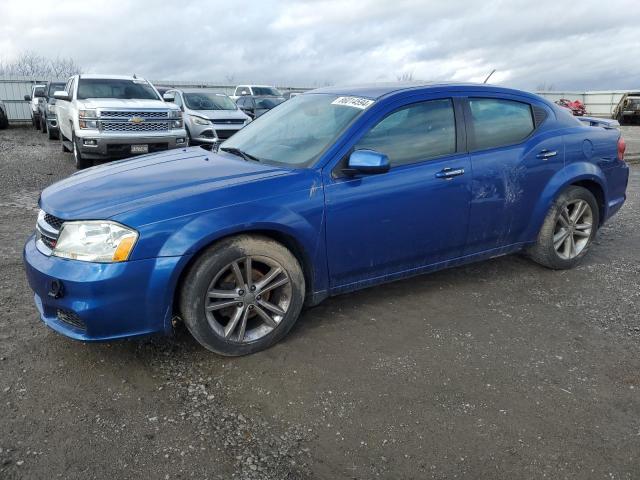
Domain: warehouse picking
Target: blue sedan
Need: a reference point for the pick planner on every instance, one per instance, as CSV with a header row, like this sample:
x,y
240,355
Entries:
x,y
332,191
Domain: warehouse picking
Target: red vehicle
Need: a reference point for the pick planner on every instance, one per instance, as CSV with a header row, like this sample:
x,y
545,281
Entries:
x,y
577,107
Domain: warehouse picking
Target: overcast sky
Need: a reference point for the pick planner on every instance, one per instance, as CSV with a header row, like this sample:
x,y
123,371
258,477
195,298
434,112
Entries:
x,y
587,44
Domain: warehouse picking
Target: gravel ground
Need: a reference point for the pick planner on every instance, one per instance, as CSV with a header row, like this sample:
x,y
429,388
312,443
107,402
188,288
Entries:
x,y
496,370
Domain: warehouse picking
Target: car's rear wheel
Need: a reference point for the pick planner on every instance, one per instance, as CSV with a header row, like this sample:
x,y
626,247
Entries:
x,y
568,229
242,295
81,162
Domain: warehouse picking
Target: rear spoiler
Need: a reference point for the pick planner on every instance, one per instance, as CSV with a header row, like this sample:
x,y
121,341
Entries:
x,y
599,122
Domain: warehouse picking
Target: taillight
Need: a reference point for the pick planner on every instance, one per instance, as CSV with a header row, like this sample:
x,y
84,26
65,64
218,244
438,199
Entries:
x,y
622,146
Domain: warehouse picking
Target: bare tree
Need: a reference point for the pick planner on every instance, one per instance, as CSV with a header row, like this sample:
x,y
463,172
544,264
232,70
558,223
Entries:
x,y
405,77
31,64
544,87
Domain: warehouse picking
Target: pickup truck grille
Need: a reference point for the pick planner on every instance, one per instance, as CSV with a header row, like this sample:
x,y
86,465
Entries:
x,y
108,126
130,114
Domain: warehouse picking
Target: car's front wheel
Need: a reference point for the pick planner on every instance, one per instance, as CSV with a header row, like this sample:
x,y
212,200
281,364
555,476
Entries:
x,y
81,162
242,295
568,229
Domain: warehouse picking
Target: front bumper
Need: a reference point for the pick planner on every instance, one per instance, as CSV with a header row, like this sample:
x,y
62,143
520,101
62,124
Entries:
x,y
118,145
52,123
101,301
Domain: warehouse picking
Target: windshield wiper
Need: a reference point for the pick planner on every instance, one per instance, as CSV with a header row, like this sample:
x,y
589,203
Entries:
x,y
236,151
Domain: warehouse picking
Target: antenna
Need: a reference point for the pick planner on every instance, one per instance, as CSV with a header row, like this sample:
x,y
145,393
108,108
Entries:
x,y
489,76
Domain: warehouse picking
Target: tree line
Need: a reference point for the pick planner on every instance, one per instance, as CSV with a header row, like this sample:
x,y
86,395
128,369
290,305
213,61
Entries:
x,y
32,64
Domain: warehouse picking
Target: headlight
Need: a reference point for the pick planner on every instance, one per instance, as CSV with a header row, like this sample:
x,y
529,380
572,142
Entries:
x,y
175,113
83,115
90,113
95,241
199,120
52,108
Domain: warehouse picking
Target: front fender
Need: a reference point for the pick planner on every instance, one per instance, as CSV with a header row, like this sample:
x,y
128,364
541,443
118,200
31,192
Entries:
x,y
570,174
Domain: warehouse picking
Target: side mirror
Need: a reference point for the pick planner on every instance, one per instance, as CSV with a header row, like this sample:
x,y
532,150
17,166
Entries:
x,y
62,95
169,97
27,98
367,162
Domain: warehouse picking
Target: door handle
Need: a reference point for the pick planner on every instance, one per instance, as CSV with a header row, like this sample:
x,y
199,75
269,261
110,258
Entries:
x,y
544,154
448,173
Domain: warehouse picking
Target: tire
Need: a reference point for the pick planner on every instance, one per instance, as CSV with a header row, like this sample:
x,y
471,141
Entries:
x,y
213,272
4,121
51,135
81,163
43,125
563,241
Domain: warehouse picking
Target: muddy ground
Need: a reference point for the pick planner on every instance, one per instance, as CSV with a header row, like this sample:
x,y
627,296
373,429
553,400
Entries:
x,y
497,370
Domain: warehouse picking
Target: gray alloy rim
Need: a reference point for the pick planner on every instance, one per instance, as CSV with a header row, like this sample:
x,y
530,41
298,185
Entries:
x,y
247,299
573,228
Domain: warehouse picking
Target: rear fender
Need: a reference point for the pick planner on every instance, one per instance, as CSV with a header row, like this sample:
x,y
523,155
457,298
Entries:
x,y
570,174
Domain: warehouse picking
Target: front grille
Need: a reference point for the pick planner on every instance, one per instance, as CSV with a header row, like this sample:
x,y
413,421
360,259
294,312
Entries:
x,y
130,114
48,241
55,222
108,126
228,121
224,134
70,318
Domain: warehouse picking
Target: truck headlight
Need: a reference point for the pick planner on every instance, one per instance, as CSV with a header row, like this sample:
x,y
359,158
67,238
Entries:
x,y
199,120
95,241
52,108
84,117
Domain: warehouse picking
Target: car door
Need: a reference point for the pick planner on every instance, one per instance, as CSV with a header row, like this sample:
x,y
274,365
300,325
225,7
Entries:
x,y
63,111
513,157
414,215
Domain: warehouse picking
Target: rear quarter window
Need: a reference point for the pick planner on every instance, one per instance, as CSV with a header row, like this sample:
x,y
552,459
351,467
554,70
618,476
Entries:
x,y
498,122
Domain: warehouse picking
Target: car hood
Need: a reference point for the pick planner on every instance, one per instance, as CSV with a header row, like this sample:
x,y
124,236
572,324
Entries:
x,y
104,191
220,114
106,103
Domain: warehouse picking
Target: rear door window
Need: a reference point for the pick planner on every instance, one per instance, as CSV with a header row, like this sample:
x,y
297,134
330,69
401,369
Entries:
x,y
497,122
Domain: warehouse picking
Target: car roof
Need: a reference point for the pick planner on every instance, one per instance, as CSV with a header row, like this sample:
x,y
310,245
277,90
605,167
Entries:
x,y
110,77
199,90
379,90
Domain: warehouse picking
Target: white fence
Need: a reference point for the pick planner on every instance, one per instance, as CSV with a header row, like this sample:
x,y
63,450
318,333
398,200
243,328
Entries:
x,y
597,103
13,90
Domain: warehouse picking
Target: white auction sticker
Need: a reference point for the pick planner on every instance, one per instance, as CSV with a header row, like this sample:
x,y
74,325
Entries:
x,y
356,102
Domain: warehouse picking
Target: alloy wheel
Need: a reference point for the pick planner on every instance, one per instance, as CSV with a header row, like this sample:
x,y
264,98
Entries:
x,y
573,229
247,299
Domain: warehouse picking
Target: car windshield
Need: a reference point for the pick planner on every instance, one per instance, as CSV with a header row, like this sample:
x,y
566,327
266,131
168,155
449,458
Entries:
x,y
55,87
266,91
115,88
208,101
296,132
268,102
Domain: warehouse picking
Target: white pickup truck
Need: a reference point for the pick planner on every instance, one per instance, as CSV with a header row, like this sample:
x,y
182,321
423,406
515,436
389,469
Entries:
x,y
105,117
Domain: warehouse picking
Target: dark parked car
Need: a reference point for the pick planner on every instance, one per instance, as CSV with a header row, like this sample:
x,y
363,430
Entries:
x,y
627,111
256,105
47,110
335,190
4,116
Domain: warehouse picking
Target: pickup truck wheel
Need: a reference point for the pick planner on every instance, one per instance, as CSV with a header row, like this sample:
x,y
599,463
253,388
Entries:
x,y
51,135
4,121
81,163
43,125
242,295
568,230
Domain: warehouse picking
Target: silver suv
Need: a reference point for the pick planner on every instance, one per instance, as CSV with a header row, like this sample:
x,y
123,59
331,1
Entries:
x,y
106,117
209,117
